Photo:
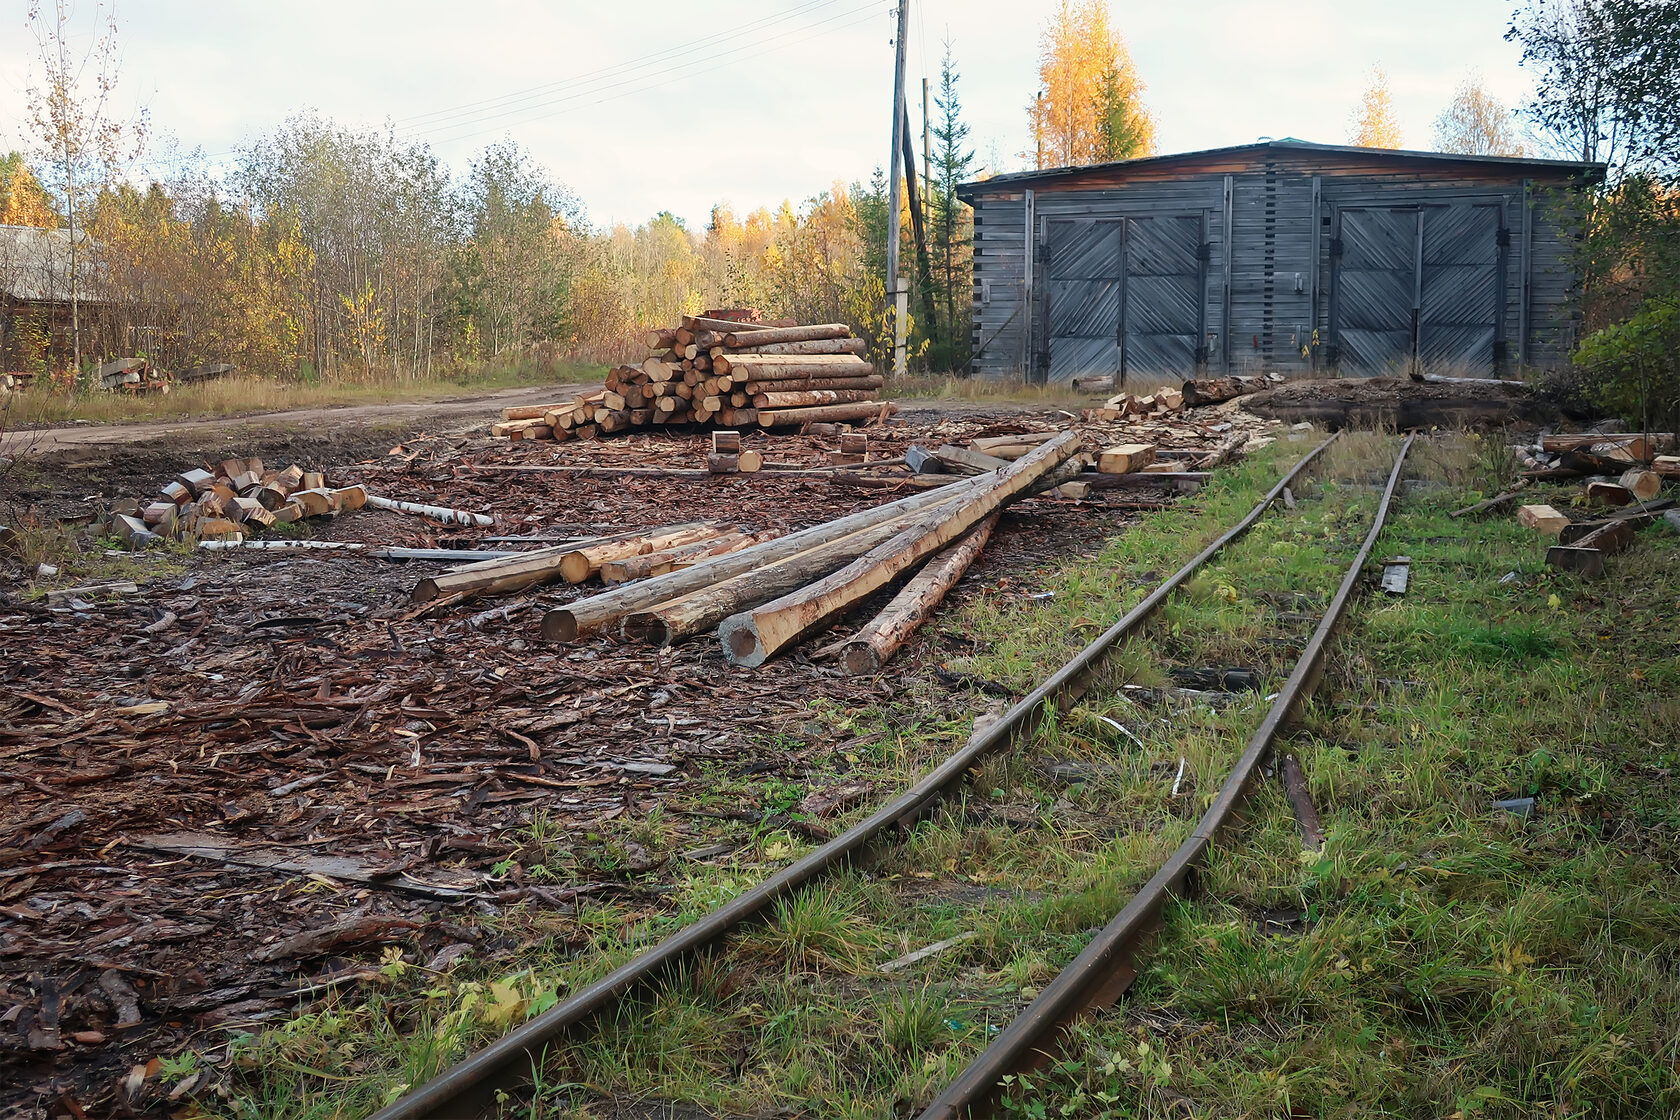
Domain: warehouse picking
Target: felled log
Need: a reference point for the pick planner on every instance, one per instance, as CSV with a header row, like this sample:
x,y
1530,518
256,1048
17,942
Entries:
x,y
966,460
783,367
1215,390
681,556
874,645
1487,505
742,337
751,637
811,346
807,398
872,381
582,562
593,612
1641,445
864,410
436,513
1640,518
1600,458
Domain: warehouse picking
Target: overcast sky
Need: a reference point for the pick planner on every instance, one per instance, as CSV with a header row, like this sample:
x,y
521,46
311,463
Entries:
x,y
649,105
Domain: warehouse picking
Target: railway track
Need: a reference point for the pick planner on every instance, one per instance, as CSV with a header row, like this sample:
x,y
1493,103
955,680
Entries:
x,y
1095,979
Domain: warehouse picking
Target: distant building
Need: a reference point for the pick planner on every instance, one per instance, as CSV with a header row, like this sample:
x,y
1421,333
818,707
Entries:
x,y
35,293
1278,255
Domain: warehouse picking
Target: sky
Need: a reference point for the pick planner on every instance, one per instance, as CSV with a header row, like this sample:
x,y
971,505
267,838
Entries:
x,y
650,105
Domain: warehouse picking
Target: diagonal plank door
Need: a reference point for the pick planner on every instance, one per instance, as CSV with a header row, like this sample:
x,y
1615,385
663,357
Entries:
x,y
1161,316
1460,308
1085,275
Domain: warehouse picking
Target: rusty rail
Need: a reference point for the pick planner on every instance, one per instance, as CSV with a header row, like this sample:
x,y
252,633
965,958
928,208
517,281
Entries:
x,y
1101,974
470,1086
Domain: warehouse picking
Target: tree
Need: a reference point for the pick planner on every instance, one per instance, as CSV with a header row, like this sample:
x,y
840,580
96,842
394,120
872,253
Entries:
x,y
23,200
1373,124
1089,105
69,112
952,232
1476,124
1606,79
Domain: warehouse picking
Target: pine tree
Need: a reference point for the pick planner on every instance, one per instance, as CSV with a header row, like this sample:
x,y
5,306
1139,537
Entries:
x,y
952,232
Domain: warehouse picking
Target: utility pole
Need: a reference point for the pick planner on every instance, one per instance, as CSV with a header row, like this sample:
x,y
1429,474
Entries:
x,y
896,291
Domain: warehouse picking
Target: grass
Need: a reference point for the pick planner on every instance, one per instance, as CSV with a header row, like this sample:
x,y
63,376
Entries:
x,y
1438,958
238,396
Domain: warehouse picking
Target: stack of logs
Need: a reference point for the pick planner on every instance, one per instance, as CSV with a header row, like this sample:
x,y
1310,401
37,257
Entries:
x,y
15,382
236,497
718,371
763,593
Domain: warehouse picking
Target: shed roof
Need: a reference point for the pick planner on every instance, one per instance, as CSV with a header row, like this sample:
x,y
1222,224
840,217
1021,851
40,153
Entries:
x,y
35,264
1291,150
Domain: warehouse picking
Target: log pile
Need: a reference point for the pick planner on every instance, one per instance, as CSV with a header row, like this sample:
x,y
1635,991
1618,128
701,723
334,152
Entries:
x,y
724,372
16,382
134,375
762,595
1614,468
236,498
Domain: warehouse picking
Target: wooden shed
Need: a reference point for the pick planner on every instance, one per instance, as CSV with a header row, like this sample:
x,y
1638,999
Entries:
x,y
1278,255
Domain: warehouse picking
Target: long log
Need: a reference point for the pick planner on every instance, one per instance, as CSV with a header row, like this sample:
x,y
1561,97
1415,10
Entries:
x,y
501,575
1653,442
784,334
874,645
801,384
782,367
581,563
813,346
682,556
753,636
436,513
670,622
595,611
1214,390
864,410
696,323
809,397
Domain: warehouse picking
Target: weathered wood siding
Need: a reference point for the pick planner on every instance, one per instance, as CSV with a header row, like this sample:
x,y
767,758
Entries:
x,y
1270,277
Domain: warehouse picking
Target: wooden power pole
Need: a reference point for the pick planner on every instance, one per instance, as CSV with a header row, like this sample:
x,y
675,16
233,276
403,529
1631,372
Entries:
x,y
896,290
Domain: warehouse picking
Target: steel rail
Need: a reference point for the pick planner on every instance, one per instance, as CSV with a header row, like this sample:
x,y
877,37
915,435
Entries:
x,y
470,1086
1101,974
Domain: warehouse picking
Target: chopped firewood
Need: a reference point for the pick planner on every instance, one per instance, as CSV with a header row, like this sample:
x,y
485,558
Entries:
x,y
1125,458
726,442
854,443
963,460
1542,519
1586,556
1667,466
1608,494
721,463
749,462
1642,484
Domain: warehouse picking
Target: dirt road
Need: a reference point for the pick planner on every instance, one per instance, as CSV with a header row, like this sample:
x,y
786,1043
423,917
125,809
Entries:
x,y
467,410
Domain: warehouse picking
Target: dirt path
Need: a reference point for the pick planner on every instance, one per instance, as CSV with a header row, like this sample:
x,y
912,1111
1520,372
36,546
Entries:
x,y
44,441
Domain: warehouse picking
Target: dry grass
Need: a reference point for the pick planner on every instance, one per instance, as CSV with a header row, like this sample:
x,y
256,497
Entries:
x,y
236,396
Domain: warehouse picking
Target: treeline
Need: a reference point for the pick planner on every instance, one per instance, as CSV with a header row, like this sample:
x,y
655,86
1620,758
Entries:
x,y
341,254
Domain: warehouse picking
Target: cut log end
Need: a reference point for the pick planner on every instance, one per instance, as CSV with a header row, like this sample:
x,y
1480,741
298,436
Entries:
x,y
859,659
740,640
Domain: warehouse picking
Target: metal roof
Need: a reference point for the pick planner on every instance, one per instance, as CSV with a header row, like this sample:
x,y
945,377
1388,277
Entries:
x,y
35,264
1590,172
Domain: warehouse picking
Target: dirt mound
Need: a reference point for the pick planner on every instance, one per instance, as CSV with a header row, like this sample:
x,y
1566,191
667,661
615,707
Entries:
x,y
1396,402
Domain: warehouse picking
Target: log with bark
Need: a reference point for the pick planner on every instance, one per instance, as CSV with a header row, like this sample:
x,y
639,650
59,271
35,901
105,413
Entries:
x,y
873,646
751,637
590,614
1216,390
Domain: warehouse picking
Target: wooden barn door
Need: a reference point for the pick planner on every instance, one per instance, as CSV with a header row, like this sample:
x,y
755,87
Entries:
x,y
1376,282
1460,288
1418,286
1161,315
1086,272
1124,297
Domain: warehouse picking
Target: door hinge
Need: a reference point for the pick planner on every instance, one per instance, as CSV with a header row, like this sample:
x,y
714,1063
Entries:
x,y
1204,251
1504,238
